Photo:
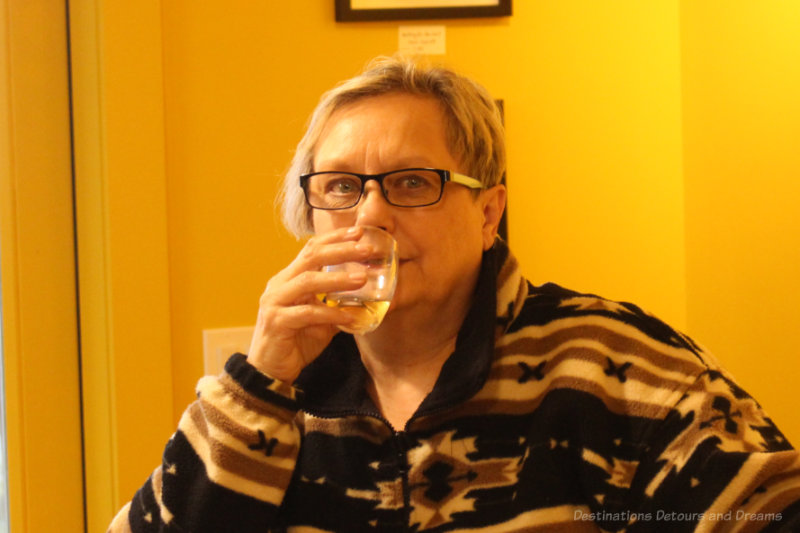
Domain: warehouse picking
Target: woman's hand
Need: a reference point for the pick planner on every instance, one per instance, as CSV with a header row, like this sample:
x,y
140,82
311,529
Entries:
x,y
293,325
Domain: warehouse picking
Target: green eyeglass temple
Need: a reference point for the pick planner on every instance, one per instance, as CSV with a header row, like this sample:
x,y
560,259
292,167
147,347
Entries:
x,y
466,181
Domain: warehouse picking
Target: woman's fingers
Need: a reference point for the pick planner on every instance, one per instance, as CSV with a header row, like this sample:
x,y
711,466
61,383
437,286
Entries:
x,y
318,253
298,317
305,287
293,324
305,278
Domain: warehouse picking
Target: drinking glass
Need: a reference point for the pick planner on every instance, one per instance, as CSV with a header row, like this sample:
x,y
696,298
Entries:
x,y
370,302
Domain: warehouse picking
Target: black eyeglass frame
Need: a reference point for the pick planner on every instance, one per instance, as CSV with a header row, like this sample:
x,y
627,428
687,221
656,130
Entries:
x,y
444,176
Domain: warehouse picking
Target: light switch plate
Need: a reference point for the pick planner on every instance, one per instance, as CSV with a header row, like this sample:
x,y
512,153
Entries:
x,y
219,344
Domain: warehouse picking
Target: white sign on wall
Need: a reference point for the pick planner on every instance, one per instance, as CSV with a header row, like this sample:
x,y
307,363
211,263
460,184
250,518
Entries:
x,y
429,40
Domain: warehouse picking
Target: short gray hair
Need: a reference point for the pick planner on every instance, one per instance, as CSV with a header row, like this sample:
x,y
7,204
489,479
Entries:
x,y
473,124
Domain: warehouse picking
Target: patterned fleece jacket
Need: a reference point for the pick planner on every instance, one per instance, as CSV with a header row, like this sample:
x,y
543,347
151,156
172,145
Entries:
x,y
557,411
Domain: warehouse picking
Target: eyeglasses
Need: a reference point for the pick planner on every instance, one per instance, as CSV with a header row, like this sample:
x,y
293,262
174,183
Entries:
x,y
409,187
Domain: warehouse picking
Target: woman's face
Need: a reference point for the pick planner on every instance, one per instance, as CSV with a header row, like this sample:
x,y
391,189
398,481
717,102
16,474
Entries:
x,y
440,246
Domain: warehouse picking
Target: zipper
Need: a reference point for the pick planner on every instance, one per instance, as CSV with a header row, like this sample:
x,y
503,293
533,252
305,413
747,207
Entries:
x,y
400,441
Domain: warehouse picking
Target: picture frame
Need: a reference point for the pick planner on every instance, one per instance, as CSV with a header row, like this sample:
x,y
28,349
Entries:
x,y
372,10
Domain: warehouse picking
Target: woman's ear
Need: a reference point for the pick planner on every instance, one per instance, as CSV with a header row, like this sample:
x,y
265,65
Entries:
x,y
493,201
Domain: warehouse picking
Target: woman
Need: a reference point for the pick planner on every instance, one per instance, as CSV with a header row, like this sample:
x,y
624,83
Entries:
x,y
481,402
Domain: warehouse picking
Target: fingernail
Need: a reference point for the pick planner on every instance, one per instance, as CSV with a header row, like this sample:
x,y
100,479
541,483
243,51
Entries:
x,y
352,230
357,276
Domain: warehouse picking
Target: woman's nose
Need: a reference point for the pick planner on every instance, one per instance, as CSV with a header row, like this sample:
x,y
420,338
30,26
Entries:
x,y
373,209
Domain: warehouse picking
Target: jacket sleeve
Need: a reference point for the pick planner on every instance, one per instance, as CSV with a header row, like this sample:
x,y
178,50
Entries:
x,y
228,465
719,462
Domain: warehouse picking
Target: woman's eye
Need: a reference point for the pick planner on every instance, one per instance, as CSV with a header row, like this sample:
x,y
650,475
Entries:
x,y
342,187
413,182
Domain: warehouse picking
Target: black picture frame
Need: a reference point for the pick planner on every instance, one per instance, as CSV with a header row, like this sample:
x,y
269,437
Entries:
x,y
346,13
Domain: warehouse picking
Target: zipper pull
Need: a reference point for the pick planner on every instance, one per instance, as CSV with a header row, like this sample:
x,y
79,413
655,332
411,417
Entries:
x,y
402,445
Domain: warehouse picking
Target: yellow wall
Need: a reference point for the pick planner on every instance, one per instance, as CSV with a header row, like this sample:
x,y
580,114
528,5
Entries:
x,y
39,329
741,102
120,175
634,130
